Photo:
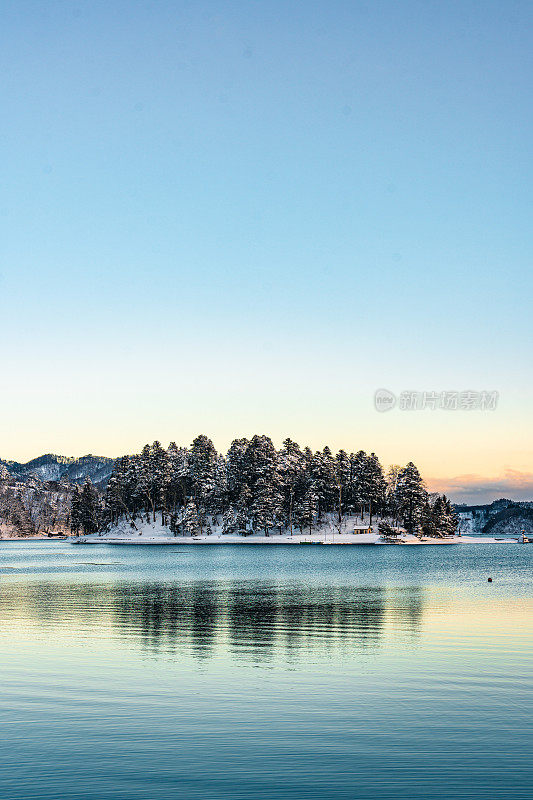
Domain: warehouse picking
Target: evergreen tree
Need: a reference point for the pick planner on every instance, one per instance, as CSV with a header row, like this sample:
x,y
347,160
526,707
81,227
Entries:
x,y
190,522
375,483
306,511
144,493
75,511
324,481
243,510
255,487
387,532
265,505
120,491
411,496
342,479
230,522
427,520
203,460
236,470
160,479
453,518
391,483
448,519
89,508
292,467
179,489
219,496
360,481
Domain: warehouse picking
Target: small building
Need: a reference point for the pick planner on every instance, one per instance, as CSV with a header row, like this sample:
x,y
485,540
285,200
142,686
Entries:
x,y
362,529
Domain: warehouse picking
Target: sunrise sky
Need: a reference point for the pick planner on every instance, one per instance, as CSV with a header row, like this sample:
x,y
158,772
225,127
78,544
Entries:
x,y
241,217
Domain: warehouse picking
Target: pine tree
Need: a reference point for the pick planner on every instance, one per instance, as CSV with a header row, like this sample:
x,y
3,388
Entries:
x,y
219,496
89,508
324,481
120,489
350,494
375,483
179,489
243,514
391,483
411,496
450,519
160,479
236,468
292,466
427,520
254,487
144,489
190,522
75,510
202,470
306,511
360,481
387,532
230,522
342,478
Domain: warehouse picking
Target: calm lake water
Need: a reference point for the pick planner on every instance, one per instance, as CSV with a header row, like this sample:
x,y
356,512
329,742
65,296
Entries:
x,y
275,672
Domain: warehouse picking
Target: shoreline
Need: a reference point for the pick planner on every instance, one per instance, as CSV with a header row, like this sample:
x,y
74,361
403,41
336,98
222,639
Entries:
x,y
35,539
317,539
156,534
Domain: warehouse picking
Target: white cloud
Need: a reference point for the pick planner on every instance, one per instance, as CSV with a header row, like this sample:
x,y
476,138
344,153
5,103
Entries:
x,y
477,489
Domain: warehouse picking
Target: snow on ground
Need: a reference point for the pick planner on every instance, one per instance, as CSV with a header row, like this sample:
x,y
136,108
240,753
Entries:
x,y
327,533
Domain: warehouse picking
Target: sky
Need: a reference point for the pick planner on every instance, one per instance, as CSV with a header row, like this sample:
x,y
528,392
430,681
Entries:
x,y
246,217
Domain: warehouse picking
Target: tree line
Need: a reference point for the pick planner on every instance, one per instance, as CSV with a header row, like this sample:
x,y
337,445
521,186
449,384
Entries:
x,y
32,507
256,487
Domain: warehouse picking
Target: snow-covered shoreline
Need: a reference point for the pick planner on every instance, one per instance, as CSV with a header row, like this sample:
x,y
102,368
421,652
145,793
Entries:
x,y
154,533
285,540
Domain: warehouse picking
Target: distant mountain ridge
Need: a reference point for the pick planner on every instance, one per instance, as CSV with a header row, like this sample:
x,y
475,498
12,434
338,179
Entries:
x,y
499,517
52,467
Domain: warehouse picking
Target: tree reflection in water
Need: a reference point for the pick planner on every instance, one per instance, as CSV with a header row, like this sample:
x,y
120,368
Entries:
x,y
251,620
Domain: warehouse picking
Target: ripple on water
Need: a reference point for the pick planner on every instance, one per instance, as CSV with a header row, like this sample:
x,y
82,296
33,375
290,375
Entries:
x,y
338,674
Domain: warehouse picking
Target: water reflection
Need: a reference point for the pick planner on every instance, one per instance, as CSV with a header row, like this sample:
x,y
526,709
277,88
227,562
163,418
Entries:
x,y
257,621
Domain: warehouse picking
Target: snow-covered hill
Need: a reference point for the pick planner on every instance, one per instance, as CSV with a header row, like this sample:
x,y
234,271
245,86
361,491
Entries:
x,y
51,467
32,507
500,517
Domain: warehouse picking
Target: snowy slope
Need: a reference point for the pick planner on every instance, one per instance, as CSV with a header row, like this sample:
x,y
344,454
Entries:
x,y
51,467
328,533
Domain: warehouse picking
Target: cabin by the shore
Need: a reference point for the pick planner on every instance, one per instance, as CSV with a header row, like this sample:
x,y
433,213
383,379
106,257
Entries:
x,y
362,529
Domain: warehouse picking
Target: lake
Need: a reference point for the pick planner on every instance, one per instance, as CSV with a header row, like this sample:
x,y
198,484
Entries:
x,y
265,672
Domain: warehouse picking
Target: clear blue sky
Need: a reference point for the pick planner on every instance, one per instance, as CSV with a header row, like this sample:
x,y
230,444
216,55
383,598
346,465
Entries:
x,y
239,217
